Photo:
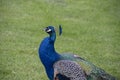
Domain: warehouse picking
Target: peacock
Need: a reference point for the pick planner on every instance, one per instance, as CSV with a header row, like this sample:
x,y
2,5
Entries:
x,y
67,66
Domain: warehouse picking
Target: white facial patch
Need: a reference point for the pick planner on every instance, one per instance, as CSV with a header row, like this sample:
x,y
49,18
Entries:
x,y
48,30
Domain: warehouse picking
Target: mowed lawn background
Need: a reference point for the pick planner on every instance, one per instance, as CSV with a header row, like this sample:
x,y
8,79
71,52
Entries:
x,y
91,29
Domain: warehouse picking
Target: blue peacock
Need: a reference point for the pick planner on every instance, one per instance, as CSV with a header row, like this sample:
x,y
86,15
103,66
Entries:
x,y
67,66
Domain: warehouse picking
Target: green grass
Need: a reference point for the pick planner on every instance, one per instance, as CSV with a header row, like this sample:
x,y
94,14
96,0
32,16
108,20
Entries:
x,y
91,29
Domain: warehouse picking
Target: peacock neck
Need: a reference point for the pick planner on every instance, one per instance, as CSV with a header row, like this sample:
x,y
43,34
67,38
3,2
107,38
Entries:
x,y
53,37
48,55
51,52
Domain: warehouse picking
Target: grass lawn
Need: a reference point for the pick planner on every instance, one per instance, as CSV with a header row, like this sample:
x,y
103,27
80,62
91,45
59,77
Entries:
x,y
91,29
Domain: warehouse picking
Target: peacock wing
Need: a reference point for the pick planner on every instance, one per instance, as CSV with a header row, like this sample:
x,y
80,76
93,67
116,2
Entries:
x,y
93,72
70,69
83,63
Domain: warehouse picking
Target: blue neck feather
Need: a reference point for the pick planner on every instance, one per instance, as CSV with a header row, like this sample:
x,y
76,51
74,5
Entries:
x,y
48,55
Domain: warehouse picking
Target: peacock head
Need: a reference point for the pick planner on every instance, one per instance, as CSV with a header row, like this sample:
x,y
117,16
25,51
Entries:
x,y
50,30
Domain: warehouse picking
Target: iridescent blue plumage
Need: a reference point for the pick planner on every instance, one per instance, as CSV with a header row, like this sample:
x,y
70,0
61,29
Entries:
x,y
47,53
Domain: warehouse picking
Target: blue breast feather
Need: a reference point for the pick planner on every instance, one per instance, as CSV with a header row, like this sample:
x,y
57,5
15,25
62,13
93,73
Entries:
x,y
48,56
